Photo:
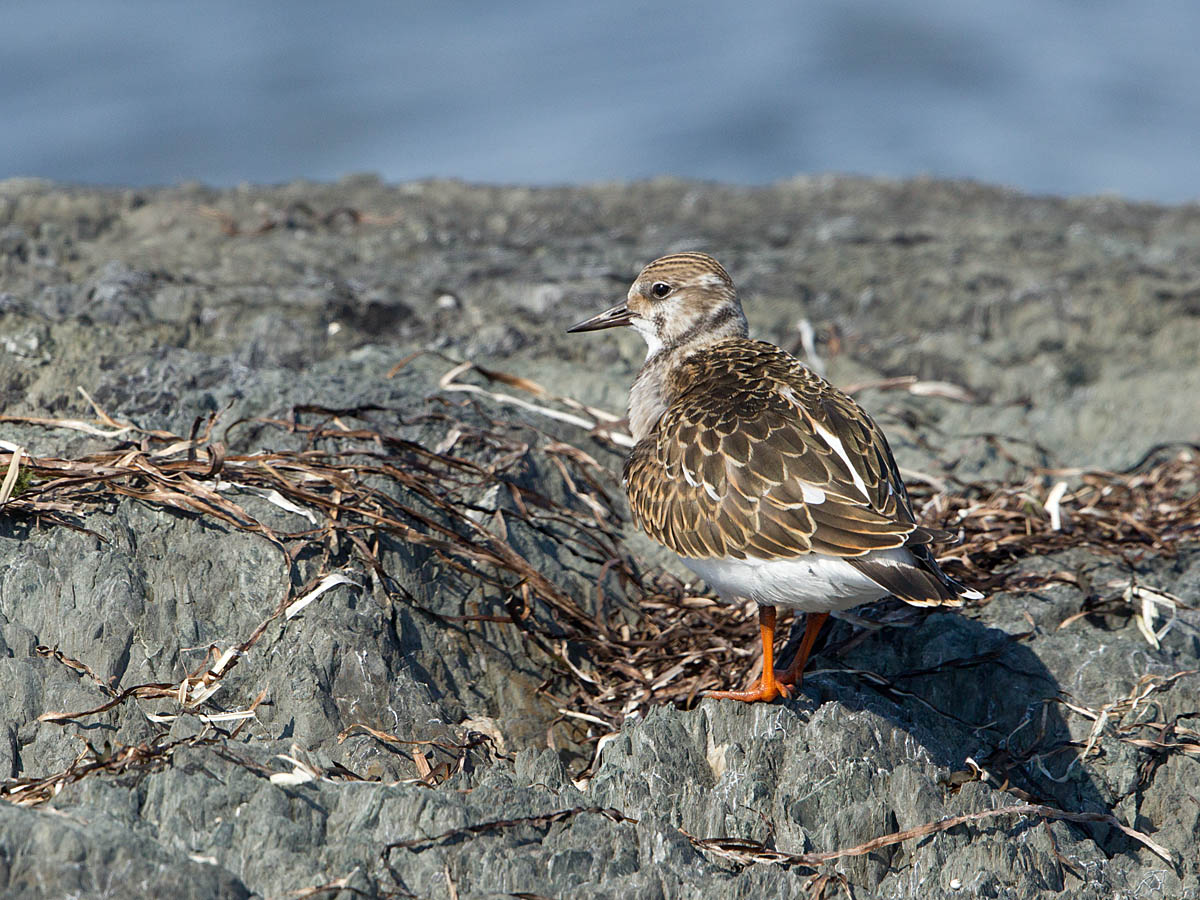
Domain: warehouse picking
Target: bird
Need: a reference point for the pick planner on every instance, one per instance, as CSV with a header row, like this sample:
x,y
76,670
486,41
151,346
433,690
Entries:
x,y
766,481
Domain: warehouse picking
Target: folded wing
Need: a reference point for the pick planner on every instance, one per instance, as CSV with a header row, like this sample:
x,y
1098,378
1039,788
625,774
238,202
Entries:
x,y
758,457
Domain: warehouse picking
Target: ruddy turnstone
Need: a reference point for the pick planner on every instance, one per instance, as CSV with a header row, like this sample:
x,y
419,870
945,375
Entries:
x,y
767,481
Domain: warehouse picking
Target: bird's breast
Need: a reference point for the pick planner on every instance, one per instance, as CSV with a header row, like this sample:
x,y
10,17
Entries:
x,y
648,399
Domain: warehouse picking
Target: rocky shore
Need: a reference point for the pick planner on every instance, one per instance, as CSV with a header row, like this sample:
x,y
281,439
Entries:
x,y
313,611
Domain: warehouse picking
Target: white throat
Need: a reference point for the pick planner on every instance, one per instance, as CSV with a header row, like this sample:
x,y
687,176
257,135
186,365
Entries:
x,y
645,328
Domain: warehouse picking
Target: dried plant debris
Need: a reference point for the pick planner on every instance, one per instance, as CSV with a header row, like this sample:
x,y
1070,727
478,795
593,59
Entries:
x,y
642,637
107,759
743,852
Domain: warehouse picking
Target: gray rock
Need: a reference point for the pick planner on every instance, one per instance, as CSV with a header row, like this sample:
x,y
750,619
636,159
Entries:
x,y
46,853
1073,322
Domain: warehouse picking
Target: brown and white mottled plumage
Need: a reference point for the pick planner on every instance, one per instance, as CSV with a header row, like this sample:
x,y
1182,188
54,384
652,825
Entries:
x,y
768,482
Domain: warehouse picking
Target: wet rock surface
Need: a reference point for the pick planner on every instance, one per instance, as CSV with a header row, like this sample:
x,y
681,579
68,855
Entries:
x,y
1069,327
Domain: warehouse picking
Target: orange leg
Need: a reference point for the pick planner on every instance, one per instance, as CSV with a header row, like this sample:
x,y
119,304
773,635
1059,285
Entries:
x,y
766,688
795,672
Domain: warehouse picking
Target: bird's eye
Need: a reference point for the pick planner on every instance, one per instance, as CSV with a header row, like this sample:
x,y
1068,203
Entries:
x,y
660,289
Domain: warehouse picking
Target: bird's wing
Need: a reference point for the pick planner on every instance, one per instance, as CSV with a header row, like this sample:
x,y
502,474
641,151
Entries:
x,y
759,457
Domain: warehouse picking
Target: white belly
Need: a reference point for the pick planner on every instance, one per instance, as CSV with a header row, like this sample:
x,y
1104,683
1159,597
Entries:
x,y
812,583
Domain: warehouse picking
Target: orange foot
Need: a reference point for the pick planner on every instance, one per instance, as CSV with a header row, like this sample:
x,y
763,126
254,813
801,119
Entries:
x,y
776,684
795,672
757,692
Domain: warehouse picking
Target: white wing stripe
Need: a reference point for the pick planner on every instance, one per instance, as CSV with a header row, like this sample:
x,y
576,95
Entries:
x,y
835,444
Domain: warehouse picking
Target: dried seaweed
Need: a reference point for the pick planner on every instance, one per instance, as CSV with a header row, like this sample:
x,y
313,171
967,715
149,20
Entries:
x,y
642,637
147,756
540,821
744,851
1149,510
748,851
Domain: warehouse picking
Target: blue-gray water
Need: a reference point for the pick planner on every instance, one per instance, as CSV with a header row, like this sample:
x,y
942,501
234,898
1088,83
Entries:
x,y
1063,96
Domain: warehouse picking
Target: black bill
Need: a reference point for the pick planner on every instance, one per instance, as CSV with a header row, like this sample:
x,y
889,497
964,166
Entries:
x,y
610,318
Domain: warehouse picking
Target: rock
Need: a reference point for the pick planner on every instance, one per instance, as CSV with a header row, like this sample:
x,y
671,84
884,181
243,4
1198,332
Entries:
x,y
55,855
1068,324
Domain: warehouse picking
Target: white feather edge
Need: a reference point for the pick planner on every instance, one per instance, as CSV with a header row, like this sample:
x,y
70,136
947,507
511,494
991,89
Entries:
x,y
834,443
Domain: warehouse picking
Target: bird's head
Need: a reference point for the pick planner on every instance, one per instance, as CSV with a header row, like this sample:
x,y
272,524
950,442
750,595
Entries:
x,y
677,300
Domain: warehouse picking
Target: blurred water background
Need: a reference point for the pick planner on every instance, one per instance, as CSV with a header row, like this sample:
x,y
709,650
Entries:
x,y
1061,96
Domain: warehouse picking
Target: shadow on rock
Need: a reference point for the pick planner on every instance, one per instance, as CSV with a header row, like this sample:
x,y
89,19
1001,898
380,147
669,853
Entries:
x,y
977,699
